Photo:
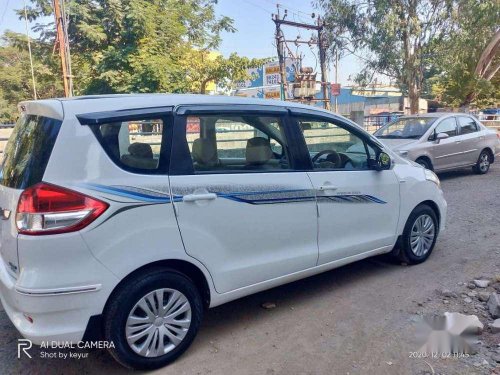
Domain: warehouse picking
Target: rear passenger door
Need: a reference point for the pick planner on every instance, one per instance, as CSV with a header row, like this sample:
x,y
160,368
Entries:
x,y
243,209
470,139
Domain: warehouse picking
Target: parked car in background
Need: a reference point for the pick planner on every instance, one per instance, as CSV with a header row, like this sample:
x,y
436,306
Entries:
x,y
442,141
124,217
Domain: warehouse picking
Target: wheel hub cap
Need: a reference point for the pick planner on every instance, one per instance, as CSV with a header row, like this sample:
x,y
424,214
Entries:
x,y
484,163
422,235
158,322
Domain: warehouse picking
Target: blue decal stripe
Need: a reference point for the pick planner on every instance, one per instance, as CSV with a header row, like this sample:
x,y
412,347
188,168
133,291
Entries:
x,y
242,197
128,194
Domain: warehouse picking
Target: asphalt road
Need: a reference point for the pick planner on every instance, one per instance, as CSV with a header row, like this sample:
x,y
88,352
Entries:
x,y
358,319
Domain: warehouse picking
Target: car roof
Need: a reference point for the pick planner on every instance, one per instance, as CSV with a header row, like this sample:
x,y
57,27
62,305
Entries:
x,y
63,107
435,115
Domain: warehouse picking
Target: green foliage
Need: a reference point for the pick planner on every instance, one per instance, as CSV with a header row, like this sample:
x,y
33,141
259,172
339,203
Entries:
x,y
396,36
122,46
15,73
457,55
203,68
428,47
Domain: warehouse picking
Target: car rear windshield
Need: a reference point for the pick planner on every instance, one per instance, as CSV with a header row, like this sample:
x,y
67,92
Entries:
x,y
28,151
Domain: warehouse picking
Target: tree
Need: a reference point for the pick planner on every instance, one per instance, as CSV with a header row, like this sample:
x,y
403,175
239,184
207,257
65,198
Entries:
x,y
15,73
204,68
121,46
396,34
467,60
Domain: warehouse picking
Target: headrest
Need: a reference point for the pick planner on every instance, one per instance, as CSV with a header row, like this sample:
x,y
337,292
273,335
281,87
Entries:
x,y
141,150
204,152
258,151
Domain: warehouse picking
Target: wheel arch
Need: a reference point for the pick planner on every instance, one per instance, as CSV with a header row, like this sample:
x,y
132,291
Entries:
x,y
94,330
433,205
188,269
427,159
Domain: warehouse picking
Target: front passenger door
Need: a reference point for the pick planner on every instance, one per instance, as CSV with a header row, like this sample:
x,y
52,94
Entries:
x,y
446,152
358,208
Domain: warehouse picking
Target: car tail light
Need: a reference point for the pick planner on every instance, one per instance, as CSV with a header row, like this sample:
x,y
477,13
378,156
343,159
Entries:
x,y
48,209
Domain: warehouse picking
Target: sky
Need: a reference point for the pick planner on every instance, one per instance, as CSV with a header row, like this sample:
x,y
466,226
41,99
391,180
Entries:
x,y
255,30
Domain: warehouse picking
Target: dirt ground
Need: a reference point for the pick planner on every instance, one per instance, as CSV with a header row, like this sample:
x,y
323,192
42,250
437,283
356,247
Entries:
x,y
359,319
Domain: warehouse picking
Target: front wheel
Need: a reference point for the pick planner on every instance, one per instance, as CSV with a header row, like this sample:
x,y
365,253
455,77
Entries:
x,y
419,235
483,163
152,319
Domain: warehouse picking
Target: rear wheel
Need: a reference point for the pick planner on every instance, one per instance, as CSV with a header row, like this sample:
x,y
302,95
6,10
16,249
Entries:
x,y
483,163
153,319
419,235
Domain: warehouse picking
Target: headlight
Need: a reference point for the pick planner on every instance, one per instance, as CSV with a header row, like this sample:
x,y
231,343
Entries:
x,y
403,153
431,176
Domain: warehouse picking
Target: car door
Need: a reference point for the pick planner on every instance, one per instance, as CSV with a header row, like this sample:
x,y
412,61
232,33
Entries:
x,y
446,153
358,208
470,138
242,209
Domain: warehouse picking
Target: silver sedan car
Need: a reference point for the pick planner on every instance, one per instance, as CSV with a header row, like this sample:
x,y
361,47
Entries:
x,y
442,141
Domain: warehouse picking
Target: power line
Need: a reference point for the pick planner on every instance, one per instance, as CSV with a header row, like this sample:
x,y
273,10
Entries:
x,y
258,6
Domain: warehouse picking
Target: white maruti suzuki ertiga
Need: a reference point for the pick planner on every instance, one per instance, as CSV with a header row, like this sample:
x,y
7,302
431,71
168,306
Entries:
x,y
124,217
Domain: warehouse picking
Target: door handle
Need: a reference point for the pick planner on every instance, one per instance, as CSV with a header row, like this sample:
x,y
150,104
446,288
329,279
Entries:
x,y
199,197
458,142
327,188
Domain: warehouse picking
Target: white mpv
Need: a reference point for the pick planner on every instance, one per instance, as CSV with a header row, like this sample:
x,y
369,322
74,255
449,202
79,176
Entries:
x,y
125,217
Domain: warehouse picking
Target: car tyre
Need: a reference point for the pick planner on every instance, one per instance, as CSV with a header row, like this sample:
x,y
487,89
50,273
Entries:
x,y
483,163
124,309
419,235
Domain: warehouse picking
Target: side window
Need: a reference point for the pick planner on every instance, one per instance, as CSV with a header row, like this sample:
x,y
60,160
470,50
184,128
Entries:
x,y
134,145
226,143
333,147
467,125
448,126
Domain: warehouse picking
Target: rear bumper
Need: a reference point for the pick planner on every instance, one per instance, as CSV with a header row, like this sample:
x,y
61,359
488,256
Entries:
x,y
56,317
59,296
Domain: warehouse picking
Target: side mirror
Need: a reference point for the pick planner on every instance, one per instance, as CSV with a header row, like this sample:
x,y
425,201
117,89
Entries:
x,y
441,136
383,162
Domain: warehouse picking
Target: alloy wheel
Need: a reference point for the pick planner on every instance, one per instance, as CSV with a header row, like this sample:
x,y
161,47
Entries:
x,y
158,323
484,162
422,235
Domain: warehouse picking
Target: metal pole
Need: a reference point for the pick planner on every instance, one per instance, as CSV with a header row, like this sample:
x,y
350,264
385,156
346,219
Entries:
x,y
281,58
336,78
322,61
29,51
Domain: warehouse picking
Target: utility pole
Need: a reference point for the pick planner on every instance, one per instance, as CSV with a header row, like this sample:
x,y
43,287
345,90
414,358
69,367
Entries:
x,y
29,51
280,41
336,78
63,43
280,46
322,63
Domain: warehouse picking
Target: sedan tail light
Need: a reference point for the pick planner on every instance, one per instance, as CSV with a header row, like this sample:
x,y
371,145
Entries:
x,y
48,209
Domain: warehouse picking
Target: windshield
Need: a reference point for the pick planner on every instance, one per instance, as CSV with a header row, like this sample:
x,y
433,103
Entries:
x,y
406,127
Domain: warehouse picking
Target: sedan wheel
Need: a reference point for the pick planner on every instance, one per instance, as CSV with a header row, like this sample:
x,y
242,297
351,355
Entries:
x,y
483,163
